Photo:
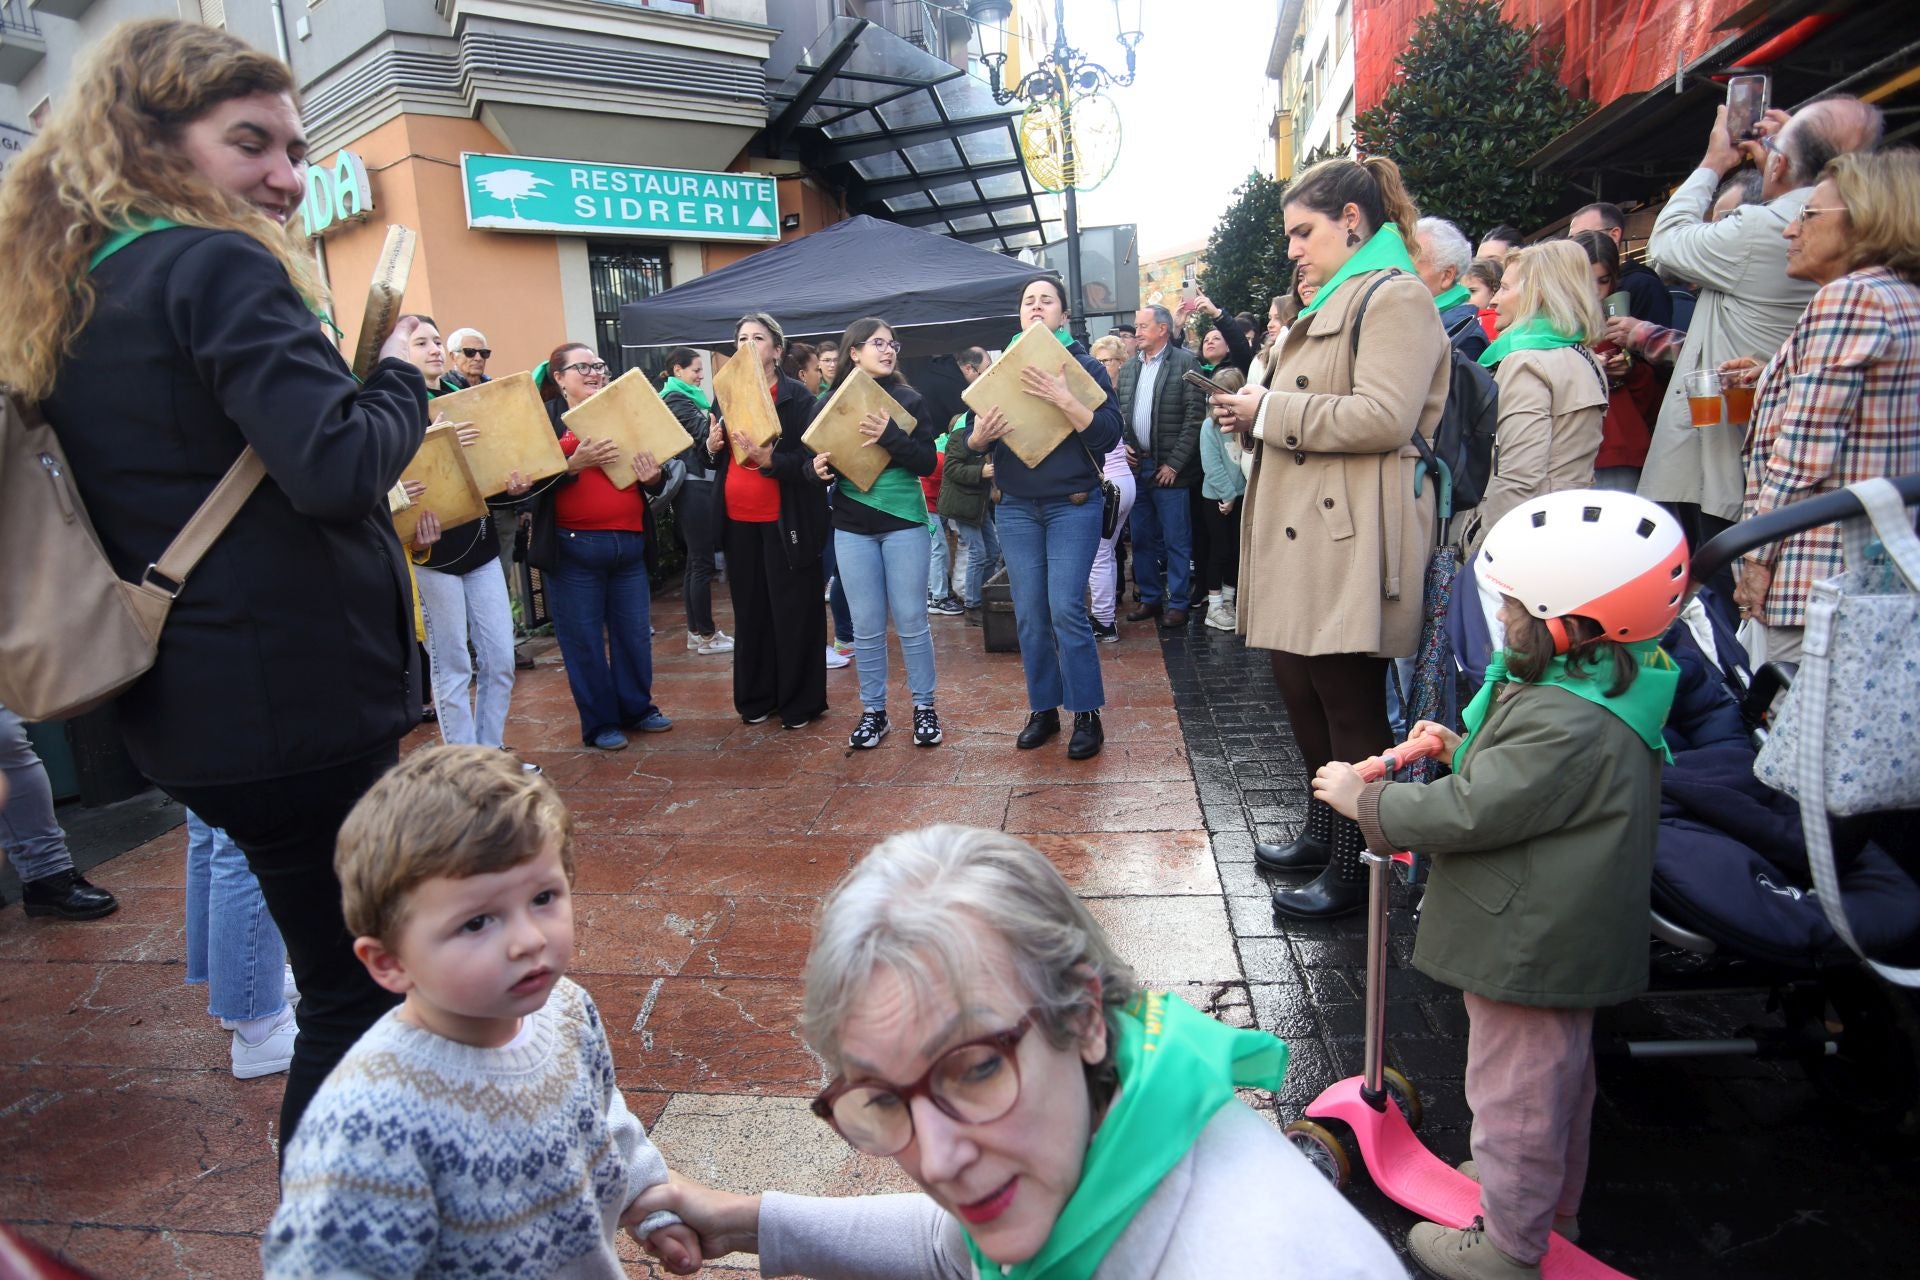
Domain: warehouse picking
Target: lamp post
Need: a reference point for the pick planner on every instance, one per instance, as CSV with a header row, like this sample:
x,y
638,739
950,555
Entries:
x,y
1061,72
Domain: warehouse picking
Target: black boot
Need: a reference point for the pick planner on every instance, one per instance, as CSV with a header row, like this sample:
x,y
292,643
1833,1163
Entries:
x,y
1041,725
1340,889
68,895
1087,736
1309,851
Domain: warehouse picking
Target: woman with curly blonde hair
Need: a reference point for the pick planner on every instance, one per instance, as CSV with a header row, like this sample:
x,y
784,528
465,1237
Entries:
x,y
163,315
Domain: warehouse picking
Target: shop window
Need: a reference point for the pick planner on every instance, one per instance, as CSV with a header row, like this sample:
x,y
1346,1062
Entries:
x,y
622,273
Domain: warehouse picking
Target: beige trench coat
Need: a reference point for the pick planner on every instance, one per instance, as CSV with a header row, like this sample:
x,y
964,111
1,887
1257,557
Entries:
x,y
1333,543
1552,404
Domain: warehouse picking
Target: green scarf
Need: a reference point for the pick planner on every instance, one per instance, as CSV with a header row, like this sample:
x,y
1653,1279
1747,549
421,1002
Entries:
x,y
1643,706
135,228
1535,333
896,491
1452,298
1063,333
1177,1068
690,391
1384,250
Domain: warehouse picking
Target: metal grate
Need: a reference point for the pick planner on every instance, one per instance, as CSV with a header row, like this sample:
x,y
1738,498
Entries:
x,y
622,273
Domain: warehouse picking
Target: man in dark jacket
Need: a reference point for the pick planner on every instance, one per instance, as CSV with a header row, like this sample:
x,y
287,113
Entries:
x,y
1162,412
1650,299
1441,256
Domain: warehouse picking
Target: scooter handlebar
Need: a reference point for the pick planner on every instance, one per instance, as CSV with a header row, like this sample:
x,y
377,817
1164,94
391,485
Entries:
x,y
1419,747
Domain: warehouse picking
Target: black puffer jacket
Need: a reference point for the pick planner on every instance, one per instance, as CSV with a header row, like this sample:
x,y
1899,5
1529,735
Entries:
x,y
291,647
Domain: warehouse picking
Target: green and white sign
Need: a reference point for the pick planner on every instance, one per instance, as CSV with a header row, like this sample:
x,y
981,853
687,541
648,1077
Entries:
x,y
579,197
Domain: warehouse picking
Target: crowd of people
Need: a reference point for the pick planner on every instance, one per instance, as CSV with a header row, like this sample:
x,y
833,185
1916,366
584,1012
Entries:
x,y
165,321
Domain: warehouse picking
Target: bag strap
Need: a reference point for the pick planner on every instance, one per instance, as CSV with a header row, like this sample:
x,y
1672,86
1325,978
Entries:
x,y
1886,513
1429,464
206,525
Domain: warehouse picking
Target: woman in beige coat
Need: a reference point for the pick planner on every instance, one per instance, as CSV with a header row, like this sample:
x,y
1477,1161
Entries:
x,y
1553,394
1333,540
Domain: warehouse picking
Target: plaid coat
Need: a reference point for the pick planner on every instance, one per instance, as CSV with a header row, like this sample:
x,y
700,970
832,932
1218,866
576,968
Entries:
x,y
1840,402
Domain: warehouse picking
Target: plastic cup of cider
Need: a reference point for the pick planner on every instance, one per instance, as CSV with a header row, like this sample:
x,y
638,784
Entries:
x,y
1703,397
1739,403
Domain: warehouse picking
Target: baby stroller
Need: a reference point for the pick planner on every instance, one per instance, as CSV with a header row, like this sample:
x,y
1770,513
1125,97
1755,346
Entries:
x,y
1735,906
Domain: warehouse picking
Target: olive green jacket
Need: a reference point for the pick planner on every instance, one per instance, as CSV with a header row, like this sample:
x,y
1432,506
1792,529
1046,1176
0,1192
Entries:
x,y
963,489
1542,847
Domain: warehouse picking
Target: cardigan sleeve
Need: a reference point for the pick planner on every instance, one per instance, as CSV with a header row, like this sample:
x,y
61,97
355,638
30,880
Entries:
x,y
860,1238
333,445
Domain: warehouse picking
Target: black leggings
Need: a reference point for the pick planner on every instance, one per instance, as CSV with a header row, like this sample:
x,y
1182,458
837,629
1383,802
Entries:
x,y
1337,704
1222,565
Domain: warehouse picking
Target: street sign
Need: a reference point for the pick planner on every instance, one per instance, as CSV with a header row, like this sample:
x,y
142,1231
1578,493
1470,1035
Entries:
x,y
579,197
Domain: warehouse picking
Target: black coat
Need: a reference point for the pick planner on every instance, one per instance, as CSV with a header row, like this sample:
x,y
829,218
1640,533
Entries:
x,y
803,499
291,647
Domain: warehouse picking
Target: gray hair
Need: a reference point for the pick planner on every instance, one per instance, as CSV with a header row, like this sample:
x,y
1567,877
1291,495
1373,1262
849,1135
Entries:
x,y
1448,245
1827,128
1744,180
453,339
916,905
1160,314
766,322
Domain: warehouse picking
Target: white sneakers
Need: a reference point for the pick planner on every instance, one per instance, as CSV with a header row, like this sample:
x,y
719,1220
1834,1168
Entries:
x,y
271,1053
1223,613
836,659
718,642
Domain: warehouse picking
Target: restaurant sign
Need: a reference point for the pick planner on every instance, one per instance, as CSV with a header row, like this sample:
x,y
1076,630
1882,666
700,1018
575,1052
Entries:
x,y
579,197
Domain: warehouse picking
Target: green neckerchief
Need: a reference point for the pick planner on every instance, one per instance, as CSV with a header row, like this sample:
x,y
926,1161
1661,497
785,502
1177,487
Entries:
x,y
1452,298
691,392
136,227
1177,1068
1535,333
1207,368
1385,249
1063,333
896,491
1643,706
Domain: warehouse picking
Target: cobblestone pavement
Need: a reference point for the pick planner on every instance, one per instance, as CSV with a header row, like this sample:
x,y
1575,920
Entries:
x,y
1702,1168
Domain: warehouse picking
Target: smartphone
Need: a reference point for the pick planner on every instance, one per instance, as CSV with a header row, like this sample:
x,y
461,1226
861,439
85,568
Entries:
x,y
1747,100
1206,384
1618,304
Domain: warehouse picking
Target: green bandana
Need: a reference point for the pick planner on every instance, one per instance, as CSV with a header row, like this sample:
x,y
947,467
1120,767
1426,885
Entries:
x,y
1643,706
691,392
1384,250
1063,333
1177,1068
1536,333
1452,298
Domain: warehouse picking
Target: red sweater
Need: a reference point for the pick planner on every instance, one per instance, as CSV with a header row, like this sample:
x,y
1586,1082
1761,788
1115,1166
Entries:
x,y
592,501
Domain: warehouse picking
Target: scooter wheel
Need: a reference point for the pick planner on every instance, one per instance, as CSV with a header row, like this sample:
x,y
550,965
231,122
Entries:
x,y
1405,1096
1322,1150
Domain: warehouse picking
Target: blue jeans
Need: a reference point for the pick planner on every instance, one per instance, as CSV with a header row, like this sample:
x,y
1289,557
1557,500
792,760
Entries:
x,y
1049,545
1162,530
979,555
232,944
601,605
836,594
30,836
886,573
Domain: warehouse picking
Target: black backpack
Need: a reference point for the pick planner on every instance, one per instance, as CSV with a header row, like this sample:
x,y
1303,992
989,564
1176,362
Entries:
x,y
1464,439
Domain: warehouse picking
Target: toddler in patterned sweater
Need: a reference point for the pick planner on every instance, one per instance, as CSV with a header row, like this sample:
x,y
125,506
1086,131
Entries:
x,y
476,1129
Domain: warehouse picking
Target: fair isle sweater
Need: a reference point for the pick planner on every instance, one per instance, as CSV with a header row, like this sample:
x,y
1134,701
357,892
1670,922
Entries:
x,y
423,1157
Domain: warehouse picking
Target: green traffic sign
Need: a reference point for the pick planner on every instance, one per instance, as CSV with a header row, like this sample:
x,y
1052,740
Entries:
x,y
578,197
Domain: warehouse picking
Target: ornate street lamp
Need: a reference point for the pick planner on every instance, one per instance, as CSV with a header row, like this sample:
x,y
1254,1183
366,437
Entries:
x,y
1061,73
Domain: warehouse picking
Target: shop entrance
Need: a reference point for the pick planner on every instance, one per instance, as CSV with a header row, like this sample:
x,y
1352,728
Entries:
x,y
620,273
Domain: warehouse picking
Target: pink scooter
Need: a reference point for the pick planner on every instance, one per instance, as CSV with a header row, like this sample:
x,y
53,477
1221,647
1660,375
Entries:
x,y
1382,1108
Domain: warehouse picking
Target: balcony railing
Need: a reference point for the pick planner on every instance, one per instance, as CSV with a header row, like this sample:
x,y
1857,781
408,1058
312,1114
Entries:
x,y
15,16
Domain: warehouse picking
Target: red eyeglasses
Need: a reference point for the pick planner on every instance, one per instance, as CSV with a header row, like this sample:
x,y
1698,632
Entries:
x,y
977,1082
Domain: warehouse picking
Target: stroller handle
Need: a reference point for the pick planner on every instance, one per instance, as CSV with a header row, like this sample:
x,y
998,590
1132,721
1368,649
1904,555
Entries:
x,y
1420,747
1829,508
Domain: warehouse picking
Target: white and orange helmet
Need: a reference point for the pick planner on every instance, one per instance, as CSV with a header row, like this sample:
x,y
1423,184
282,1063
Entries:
x,y
1613,557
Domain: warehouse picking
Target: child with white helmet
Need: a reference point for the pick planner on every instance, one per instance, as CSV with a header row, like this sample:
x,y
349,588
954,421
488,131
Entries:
x,y
1542,845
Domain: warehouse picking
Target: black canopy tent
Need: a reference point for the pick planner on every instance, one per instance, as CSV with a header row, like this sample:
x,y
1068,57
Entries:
x,y
938,293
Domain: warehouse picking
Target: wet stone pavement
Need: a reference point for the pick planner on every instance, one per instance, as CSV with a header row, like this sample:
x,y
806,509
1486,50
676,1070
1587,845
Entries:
x,y
1702,1168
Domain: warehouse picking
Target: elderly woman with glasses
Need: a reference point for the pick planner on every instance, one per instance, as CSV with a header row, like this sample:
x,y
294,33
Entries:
x,y
1836,403
593,544
984,1036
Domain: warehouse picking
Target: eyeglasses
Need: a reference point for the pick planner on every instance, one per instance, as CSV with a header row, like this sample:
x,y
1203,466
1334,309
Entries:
x,y
1810,212
884,344
483,353
974,1083
586,366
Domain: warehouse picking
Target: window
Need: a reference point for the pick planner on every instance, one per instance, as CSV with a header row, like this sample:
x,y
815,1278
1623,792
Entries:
x,y
622,273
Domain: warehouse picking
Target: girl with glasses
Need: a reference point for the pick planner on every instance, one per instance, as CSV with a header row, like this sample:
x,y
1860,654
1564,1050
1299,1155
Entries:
x,y
881,541
984,1035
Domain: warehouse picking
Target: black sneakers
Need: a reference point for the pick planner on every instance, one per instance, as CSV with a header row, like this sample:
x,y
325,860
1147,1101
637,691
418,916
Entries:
x,y
1104,632
873,726
926,727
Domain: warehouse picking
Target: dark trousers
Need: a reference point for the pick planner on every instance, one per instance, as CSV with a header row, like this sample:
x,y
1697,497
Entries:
x,y
1221,568
1336,703
779,629
1200,510
286,827
693,515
